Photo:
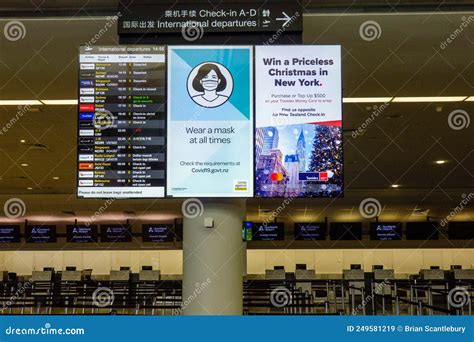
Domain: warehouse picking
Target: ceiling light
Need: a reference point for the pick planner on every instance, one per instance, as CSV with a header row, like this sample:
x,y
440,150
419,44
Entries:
x,y
23,141
470,98
395,186
55,178
440,162
59,102
20,103
430,99
29,188
24,165
366,99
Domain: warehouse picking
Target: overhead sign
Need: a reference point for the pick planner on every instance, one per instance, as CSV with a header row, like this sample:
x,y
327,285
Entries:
x,y
210,120
298,101
198,18
121,122
157,233
116,233
40,234
82,233
9,234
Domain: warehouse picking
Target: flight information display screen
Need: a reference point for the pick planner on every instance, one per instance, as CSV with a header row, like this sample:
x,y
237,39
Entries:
x,y
116,233
460,230
157,233
268,232
310,231
345,231
385,231
9,234
40,234
422,230
121,122
82,234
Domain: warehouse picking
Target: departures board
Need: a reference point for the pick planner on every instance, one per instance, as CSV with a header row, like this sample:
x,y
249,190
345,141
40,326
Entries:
x,y
121,122
186,121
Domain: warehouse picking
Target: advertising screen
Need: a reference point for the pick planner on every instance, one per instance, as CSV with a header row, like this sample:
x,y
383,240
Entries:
x,y
310,231
9,234
121,122
210,115
81,234
345,231
271,231
115,233
247,231
385,231
298,115
40,234
157,233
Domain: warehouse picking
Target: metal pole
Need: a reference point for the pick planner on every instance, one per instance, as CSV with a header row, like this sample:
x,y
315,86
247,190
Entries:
x,y
374,308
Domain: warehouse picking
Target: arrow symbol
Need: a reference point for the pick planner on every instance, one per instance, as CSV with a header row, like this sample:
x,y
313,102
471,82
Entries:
x,y
285,17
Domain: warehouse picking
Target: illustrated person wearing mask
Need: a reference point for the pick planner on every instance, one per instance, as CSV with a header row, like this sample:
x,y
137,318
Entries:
x,y
209,81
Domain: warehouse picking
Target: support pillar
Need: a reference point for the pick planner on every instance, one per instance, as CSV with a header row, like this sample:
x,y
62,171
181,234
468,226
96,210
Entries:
x,y
213,259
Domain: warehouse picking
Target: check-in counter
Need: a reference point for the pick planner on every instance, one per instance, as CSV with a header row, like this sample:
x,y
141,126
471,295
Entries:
x,y
432,274
382,278
274,274
467,274
71,276
149,275
42,276
305,274
355,277
119,275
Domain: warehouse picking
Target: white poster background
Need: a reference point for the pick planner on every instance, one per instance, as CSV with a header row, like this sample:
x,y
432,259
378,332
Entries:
x,y
290,102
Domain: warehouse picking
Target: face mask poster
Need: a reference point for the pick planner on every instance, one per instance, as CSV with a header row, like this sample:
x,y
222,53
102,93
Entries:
x,y
210,121
298,135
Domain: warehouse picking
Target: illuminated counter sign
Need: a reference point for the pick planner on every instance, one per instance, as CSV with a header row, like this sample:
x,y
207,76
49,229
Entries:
x,y
157,233
121,122
81,233
9,234
40,234
116,233
210,150
298,115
